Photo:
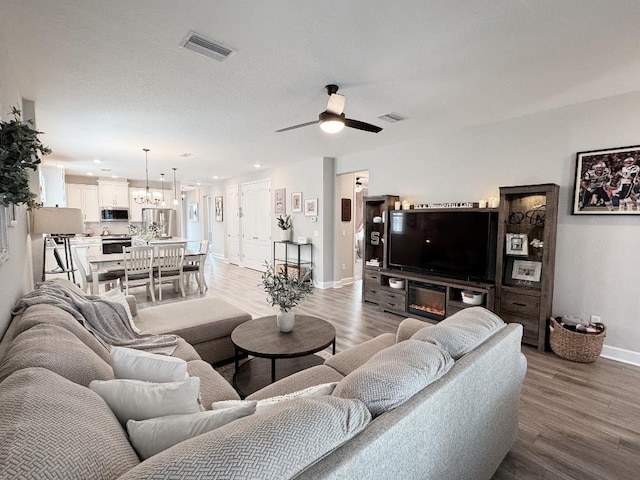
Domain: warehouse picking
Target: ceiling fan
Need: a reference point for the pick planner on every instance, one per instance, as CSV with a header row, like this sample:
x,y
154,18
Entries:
x,y
332,120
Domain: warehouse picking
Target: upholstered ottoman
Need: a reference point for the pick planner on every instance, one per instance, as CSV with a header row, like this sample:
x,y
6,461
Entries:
x,y
206,323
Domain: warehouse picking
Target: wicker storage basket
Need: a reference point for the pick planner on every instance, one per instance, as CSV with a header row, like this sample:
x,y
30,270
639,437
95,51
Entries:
x,y
578,347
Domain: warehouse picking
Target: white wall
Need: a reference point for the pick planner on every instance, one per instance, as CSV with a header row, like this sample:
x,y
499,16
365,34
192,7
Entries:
x,y
344,231
597,260
16,274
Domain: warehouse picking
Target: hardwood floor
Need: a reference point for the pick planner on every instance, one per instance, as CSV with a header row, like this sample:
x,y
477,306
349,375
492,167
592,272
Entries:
x,y
577,421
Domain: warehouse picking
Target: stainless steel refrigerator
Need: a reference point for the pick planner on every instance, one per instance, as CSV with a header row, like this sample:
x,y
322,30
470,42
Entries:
x,y
165,218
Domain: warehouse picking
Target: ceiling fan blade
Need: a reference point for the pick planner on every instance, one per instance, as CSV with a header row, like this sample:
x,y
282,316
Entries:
x,y
335,103
297,126
367,127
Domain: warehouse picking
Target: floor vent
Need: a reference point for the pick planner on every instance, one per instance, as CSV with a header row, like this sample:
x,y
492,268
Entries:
x,y
392,117
204,46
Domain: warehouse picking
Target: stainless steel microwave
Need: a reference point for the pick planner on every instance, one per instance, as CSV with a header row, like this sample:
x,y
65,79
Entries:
x,y
114,214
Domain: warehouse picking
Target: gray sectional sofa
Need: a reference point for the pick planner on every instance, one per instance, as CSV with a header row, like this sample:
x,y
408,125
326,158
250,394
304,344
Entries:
x,y
402,408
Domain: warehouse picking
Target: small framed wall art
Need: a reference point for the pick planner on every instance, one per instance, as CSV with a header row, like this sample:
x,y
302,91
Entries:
x,y
280,201
218,208
296,202
346,210
606,182
193,212
311,207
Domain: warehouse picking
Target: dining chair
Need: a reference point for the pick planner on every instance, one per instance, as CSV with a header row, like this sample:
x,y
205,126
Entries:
x,y
107,278
138,269
193,267
169,265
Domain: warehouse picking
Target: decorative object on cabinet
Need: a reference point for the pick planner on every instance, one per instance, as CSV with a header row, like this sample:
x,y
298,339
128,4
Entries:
x,y
516,244
311,207
346,209
605,180
296,202
193,211
524,284
20,149
146,196
280,196
218,208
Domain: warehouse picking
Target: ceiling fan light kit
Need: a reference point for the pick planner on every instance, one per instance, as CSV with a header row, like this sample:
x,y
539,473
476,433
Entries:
x,y
332,120
331,123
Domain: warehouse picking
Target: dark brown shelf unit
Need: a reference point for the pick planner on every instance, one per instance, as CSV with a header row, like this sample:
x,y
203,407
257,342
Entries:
x,y
522,300
375,244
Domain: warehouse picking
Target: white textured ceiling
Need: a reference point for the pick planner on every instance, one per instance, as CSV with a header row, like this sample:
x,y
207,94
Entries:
x,y
108,77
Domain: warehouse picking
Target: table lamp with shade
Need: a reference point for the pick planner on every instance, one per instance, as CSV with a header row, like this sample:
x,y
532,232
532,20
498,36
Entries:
x,y
62,223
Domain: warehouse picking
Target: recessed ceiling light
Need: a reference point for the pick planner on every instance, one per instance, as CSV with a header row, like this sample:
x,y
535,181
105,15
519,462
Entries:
x,y
60,165
97,160
257,165
216,177
114,176
89,174
198,183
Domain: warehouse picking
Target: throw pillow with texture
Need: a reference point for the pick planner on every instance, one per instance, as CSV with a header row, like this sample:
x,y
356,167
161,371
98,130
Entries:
x,y
462,332
149,367
152,436
314,391
394,375
278,443
137,400
54,428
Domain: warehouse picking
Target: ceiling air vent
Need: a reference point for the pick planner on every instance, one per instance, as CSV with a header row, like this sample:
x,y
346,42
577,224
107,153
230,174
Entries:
x,y
392,117
204,46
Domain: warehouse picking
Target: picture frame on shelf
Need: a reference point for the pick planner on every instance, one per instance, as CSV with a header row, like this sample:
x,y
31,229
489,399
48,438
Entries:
x,y
526,271
311,207
517,244
193,211
605,181
296,202
218,208
280,201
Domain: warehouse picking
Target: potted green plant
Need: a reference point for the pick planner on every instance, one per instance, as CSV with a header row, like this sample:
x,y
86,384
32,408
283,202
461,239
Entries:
x,y
284,224
20,151
285,290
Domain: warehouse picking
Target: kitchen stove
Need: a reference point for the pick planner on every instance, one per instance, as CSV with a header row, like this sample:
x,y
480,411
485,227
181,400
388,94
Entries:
x,y
113,243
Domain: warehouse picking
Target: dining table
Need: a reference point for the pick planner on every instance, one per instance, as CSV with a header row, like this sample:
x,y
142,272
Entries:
x,y
115,262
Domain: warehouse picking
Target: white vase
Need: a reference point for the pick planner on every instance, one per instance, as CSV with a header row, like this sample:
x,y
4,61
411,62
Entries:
x,y
285,321
285,235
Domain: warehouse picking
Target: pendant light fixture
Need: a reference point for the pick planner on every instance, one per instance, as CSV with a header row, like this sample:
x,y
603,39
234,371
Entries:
x,y
175,188
145,196
163,203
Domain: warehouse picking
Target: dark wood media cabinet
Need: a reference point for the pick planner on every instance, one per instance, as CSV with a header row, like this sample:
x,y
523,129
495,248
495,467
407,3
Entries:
x,y
425,297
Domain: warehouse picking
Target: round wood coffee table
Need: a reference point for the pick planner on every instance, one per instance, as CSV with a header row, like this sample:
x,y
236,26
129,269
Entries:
x,y
261,338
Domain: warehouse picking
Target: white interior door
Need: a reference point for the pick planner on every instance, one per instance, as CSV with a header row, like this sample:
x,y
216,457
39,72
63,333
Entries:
x,y
233,225
256,223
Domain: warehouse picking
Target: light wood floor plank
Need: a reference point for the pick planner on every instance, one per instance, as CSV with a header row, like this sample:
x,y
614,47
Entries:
x,y
577,421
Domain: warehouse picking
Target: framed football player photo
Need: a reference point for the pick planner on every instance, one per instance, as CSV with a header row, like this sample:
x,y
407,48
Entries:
x,y
607,182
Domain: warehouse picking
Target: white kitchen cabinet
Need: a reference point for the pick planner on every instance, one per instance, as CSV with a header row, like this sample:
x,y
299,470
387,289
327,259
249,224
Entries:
x,y
113,194
84,197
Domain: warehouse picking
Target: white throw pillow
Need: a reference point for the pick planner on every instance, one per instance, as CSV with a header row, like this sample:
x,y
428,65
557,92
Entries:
x,y
117,296
136,400
314,391
149,367
152,436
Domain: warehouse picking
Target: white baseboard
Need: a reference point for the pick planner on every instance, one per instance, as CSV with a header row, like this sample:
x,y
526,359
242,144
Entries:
x,y
343,282
323,285
219,256
621,355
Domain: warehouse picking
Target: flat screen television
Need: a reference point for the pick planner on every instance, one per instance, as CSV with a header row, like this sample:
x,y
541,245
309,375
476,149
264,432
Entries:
x,y
454,244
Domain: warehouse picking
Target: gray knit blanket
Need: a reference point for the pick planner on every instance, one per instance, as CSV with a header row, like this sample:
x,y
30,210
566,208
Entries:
x,y
105,319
